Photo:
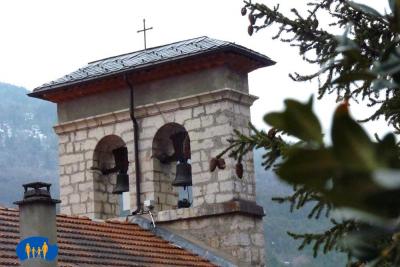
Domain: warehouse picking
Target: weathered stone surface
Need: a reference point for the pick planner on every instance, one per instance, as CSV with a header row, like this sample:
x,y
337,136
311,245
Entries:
x,y
66,210
198,201
78,209
212,188
63,138
183,115
70,158
77,177
196,168
69,148
74,198
96,133
86,187
195,157
209,198
66,190
64,200
192,124
257,239
80,135
223,197
123,127
198,111
243,243
189,102
64,180
226,186
209,120
201,178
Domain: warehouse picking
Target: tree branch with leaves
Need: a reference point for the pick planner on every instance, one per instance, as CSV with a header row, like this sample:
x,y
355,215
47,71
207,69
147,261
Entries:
x,y
351,173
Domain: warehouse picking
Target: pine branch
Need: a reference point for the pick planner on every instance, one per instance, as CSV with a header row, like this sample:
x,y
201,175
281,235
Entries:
x,y
371,33
361,64
328,240
241,144
301,197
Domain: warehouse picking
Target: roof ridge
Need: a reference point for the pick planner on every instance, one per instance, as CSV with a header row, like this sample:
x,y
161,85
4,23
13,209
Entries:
x,y
148,49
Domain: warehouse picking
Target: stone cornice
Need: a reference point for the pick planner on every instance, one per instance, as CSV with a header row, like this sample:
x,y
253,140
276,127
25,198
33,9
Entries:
x,y
239,206
157,108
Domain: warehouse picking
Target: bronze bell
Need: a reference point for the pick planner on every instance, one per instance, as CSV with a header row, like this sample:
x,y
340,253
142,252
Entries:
x,y
122,183
183,175
183,169
121,164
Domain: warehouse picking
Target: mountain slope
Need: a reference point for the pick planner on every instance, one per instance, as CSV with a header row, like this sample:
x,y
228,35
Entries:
x,y
28,145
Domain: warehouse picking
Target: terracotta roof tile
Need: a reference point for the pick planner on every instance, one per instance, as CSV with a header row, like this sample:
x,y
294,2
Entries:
x,y
83,242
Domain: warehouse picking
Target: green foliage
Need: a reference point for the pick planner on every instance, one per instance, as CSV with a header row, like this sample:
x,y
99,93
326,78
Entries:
x,y
351,144
352,158
346,174
352,173
297,120
370,40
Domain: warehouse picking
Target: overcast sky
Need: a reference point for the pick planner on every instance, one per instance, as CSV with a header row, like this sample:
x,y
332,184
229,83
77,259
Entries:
x,y
43,40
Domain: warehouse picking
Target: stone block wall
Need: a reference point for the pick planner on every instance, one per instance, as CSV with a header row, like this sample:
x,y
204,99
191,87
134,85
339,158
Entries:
x,y
238,235
209,129
85,146
209,119
84,191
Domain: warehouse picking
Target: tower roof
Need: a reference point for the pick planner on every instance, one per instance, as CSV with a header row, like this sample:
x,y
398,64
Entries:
x,y
150,58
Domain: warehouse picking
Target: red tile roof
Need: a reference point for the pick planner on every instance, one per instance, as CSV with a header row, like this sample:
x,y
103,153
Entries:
x,y
83,242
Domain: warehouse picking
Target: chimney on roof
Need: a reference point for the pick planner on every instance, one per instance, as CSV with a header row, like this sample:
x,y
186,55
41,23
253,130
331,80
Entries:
x,y
37,218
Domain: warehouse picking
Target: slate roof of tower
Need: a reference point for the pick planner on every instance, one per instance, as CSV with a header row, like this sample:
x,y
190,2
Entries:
x,y
151,56
83,242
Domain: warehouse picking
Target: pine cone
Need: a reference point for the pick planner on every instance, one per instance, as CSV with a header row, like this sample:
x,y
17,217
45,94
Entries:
x,y
213,164
221,164
239,170
252,19
272,132
250,30
243,11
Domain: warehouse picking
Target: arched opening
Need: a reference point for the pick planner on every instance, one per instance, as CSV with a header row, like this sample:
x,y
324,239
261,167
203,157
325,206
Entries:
x,y
165,143
107,204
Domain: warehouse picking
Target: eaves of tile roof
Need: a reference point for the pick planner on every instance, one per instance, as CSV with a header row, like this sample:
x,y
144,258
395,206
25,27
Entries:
x,y
150,57
83,242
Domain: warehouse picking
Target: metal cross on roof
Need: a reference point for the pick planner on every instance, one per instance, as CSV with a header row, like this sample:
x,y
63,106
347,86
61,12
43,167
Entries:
x,y
144,32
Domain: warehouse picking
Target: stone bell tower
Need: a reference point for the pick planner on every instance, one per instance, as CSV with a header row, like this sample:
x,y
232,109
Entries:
x,y
172,107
